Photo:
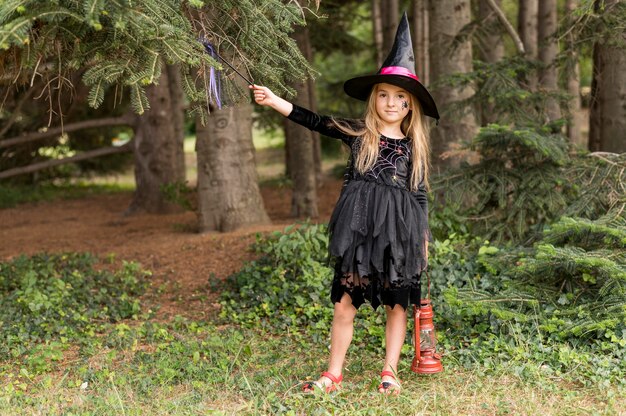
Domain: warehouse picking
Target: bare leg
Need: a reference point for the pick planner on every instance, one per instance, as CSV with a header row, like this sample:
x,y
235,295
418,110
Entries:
x,y
340,337
395,333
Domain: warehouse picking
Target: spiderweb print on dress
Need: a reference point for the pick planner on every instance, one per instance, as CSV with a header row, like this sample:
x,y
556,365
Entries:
x,y
391,153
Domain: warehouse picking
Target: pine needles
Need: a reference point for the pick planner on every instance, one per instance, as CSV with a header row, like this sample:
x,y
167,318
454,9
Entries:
x,y
124,44
517,185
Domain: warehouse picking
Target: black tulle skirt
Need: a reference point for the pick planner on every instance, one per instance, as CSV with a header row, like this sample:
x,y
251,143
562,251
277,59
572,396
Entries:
x,y
378,237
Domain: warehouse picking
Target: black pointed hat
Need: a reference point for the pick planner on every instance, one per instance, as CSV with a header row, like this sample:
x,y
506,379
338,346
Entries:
x,y
399,70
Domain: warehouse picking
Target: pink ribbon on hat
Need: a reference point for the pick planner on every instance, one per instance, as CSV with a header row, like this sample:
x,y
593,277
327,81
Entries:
x,y
398,70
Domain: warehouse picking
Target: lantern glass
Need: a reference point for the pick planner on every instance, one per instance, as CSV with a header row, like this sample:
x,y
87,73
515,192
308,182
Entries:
x,y
428,341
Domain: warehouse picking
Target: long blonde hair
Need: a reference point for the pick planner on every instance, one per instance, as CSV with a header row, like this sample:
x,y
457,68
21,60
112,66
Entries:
x,y
413,126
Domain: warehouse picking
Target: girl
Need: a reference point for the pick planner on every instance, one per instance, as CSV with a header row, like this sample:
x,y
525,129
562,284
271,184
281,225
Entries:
x,y
379,229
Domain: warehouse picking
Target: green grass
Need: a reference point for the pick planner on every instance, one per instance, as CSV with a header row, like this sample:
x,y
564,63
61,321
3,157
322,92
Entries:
x,y
189,145
189,367
264,139
12,195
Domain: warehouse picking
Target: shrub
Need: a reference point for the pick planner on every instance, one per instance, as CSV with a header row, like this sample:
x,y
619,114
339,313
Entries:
x,y
525,180
517,186
288,289
561,302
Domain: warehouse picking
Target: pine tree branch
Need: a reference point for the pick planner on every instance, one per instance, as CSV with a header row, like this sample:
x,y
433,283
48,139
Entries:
x,y
56,162
34,136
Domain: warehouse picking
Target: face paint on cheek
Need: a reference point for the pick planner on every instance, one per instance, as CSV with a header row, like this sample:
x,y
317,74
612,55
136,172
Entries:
x,y
405,104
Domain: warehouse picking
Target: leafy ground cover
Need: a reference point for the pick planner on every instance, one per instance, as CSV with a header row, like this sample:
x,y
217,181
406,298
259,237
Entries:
x,y
135,363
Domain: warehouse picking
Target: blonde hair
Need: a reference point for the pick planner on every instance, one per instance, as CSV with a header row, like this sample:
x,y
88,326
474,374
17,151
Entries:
x,y
413,126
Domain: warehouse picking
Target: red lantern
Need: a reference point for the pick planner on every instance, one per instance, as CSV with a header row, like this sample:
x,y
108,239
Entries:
x,y
426,360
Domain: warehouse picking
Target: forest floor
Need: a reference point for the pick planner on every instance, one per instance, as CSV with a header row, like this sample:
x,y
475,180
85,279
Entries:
x,y
182,260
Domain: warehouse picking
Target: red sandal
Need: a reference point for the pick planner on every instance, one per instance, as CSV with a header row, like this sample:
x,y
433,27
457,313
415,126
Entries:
x,y
335,384
389,387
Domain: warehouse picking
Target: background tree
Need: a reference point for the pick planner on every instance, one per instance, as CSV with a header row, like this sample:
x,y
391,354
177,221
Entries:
x,y
390,16
377,30
420,23
607,125
547,51
447,18
490,47
331,44
498,197
158,146
228,191
303,156
527,28
572,75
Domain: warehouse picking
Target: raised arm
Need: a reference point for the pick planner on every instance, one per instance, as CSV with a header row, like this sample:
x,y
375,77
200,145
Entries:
x,y
302,116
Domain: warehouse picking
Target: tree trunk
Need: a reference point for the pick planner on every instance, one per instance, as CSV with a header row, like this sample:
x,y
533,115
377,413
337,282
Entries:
x,y
447,17
548,49
307,51
575,123
420,38
389,12
304,197
317,141
302,163
607,119
377,30
228,190
156,151
491,49
288,158
527,28
178,116
300,143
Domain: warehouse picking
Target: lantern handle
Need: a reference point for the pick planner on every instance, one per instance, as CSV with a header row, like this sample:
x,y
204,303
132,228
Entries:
x,y
428,276
417,312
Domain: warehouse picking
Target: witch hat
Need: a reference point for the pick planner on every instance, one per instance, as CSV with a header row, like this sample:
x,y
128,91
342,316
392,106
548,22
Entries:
x,y
399,70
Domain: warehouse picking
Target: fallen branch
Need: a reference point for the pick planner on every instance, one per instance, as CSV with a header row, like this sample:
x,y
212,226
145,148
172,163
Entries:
x,y
56,162
509,28
34,136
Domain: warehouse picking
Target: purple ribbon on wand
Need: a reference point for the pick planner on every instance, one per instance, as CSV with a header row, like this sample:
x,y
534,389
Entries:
x,y
215,88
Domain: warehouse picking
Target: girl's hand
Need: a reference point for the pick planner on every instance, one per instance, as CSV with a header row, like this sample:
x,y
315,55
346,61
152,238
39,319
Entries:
x,y
265,96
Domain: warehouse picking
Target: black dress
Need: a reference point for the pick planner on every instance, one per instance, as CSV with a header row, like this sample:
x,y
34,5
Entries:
x,y
379,228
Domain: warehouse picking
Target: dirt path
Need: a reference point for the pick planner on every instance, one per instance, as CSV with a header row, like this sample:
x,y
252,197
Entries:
x,y
182,261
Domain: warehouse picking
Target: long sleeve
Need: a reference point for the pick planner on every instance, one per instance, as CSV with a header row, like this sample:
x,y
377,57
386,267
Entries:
x,y
321,124
422,198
